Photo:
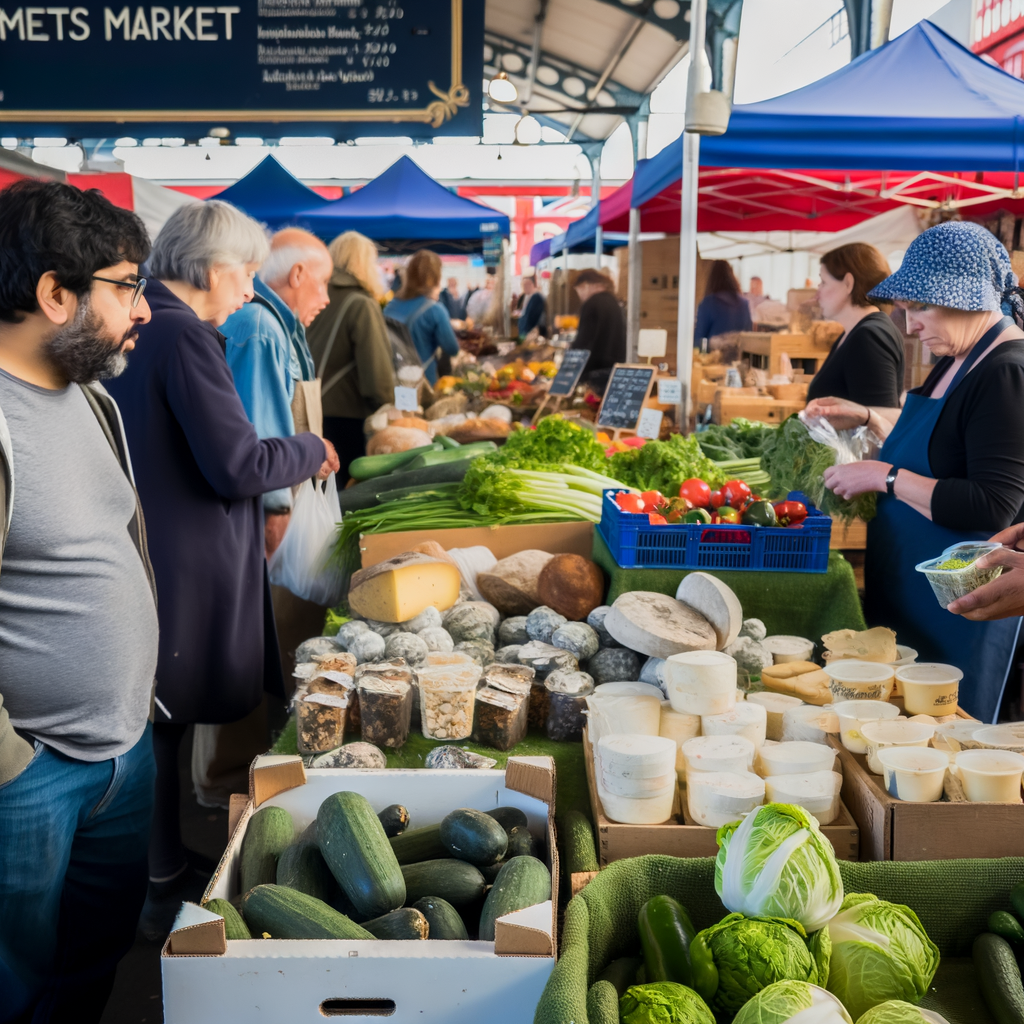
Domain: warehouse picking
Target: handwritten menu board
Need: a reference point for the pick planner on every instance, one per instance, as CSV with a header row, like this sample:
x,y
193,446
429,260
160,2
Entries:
x,y
568,376
628,388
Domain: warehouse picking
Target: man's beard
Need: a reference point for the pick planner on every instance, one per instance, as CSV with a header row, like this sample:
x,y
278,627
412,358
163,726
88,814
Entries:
x,y
82,352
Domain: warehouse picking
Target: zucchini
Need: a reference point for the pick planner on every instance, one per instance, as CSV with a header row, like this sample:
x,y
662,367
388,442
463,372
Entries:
x,y
999,978
234,924
447,442
404,923
666,932
1017,900
286,914
302,867
508,817
394,820
473,836
269,833
359,855
464,452
622,973
602,1004
578,839
366,467
443,918
522,882
364,495
419,844
423,491
520,842
1002,922
454,881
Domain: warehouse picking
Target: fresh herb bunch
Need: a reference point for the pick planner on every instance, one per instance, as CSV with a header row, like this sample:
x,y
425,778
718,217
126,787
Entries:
x,y
741,439
795,462
664,465
555,441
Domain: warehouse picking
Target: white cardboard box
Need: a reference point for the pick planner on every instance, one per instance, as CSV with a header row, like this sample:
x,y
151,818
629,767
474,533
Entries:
x,y
207,980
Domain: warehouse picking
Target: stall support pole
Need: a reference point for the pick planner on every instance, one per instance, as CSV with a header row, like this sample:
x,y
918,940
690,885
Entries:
x,y
634,282
688,224
595,198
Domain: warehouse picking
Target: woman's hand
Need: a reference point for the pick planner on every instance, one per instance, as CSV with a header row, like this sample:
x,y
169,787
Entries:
x,y
331,463
843,415
1003,598
857,478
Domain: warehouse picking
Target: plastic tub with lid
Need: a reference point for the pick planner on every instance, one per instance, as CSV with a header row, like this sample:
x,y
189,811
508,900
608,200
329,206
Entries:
x,y
914,773
852,716
929,688
859,680
899,732
950,584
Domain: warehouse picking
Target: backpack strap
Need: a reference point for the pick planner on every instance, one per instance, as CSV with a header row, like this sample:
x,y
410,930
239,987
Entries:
x,y
429,304
343,308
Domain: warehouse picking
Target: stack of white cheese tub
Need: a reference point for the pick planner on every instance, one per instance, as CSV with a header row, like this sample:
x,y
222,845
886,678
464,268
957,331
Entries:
x,y
636,778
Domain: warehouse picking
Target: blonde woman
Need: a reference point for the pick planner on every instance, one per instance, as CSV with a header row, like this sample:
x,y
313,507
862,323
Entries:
x,y
351,348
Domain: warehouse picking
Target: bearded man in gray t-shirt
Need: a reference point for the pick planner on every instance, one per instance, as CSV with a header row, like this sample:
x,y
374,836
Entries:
x,y
78,625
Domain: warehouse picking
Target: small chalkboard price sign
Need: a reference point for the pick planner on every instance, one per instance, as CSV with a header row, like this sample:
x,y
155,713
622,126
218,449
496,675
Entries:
x,y
573,364
629,387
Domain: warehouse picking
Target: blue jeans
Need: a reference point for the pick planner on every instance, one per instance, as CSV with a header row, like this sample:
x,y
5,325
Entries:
x,y
73,875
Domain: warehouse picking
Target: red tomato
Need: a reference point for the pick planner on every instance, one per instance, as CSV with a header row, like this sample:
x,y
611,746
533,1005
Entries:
x,y
735,492
717,499
728,515
629,502
655,520
653,500
635,442
696,492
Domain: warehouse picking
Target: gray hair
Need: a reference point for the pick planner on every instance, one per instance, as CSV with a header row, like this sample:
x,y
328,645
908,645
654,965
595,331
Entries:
x,y
198,236
278,265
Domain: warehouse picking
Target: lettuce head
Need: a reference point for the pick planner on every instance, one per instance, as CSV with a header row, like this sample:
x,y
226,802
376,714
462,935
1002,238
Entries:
x,y
793,1002
880,952
895,1011
776,863
663,1002
738,957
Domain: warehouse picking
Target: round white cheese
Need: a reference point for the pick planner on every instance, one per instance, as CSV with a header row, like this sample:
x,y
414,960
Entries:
x,y
631,810
785,649
680,728
639,757
808,722
717,798
816,792
796,757
710,597
718,754
618,786
658,625
776,704
612,713
627,689
701,682
745,719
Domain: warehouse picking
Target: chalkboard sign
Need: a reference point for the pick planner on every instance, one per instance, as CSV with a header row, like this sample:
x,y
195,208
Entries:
x,y
573,363
628,388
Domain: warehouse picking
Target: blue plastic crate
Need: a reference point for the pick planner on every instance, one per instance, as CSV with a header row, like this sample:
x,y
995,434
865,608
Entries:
x,y
635,544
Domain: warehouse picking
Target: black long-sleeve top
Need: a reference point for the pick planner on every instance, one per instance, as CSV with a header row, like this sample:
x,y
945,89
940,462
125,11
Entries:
x,y
977,448
602,331
867,368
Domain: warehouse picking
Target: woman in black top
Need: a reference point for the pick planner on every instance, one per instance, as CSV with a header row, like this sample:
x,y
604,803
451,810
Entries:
x,y
866,364
951,469
602,327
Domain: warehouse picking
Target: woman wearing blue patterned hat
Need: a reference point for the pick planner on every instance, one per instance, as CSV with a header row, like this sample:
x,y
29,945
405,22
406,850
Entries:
x,y
952,467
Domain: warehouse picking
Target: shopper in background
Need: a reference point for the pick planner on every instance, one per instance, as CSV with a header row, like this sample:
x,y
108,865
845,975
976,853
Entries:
x,y
533,309
723,308
351,348
952,467
78,624
602,327
202,471
417,307
756,294
865,365
453,301
479,303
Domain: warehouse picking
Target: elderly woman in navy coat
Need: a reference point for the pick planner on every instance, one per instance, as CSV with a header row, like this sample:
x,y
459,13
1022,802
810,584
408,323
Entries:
x,y
201,470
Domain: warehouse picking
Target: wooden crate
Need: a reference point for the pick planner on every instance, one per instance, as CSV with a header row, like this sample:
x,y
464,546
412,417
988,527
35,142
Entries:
x,y
765,351
730,403
849,537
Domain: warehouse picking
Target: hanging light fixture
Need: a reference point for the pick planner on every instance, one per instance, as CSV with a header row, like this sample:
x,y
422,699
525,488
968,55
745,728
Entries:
x,y
527,131
501,89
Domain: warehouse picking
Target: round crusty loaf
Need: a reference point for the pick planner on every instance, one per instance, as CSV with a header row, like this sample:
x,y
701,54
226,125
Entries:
x,y
511,586
572,585
397,439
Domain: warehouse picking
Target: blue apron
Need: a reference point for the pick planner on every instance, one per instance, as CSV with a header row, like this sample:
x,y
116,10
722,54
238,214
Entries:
x,y
900,537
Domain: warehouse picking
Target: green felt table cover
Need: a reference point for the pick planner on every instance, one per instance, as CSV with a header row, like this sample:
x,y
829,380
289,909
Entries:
x,y
952,898
803,604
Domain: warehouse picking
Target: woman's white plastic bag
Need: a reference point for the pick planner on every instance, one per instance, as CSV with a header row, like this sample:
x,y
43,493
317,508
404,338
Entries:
x,y
302,563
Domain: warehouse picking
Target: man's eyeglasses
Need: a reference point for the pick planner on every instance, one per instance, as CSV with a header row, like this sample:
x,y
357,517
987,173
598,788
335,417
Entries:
x,y
137,287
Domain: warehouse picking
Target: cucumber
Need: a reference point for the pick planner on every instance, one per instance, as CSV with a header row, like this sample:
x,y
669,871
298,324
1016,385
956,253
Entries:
x,y
999,978
1003,923
423,491
364,495
508,817
404,923
269,833
447,442
419,844
394,820
622,973
366,467
1017,900
359,855
286,914
234,925
578,839
454,881
443,918
473,836
522,882
464,452
520,842
602,1004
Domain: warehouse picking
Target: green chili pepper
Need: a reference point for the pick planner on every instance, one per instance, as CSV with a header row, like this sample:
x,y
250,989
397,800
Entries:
x,y
666,932
705,973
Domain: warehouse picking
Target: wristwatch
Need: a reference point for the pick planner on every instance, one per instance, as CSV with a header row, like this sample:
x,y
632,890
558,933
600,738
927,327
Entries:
x,y
890,481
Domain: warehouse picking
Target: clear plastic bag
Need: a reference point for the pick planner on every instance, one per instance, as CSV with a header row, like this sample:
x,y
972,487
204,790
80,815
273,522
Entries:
x,y
302,563
849,445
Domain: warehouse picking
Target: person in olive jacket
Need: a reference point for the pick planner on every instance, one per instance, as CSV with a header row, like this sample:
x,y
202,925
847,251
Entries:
x,y
351,348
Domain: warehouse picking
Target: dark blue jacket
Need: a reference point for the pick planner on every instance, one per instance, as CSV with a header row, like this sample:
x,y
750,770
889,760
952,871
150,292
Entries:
x,y
535,314
720,313
200,470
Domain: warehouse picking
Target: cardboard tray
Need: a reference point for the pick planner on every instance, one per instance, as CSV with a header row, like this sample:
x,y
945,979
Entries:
x,y
894,829
680,837
207,980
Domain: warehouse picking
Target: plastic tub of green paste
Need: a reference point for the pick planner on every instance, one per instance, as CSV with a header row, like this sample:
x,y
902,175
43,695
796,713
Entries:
x,y
953,574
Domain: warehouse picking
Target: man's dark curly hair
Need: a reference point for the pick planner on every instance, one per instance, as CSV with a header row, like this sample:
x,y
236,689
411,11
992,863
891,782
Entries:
x,y
46,225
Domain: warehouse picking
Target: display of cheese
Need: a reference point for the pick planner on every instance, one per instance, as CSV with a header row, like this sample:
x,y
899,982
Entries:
x,y
400,588
680,728
811,723
795,757
718,754
641,757
711,598
816,792
745,719
877,644
801,679
631,810
776,704
636,778
718,798
511,585
701,682
625,689
657,625
622,713
643,788
788,648
572,585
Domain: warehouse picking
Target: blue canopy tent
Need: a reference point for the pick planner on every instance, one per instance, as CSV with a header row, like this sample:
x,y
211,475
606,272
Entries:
x,y
271,194
404,209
